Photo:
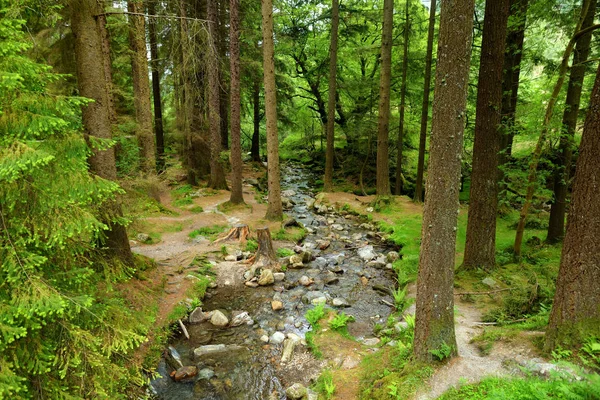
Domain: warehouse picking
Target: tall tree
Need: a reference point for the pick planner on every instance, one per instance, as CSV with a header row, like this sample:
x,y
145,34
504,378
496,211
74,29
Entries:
x,y
329,154
141,85
434,323
575,313
480,248
256,117
556,224
217,174
512,75
383,120
274,209
402,107
156,95
537,152
237,196
418,197
106,59
96,119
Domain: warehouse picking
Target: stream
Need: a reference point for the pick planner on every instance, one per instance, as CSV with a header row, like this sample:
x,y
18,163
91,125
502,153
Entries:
x,y
352,273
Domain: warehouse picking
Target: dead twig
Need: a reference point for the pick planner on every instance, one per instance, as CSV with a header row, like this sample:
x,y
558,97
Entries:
x,y
184,330
482,293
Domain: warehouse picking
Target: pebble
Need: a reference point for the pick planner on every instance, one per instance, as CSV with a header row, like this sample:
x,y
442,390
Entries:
x,y
278,276
219,319
276,305
277,338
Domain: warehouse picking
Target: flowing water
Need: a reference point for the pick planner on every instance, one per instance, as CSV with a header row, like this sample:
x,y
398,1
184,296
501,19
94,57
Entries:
x,y
249,369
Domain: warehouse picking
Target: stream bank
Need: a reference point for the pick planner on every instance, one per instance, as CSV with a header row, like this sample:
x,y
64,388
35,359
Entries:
x,y
343,262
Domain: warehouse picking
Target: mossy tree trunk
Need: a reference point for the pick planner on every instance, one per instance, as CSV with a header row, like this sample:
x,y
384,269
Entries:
x,y
402,107
418,197
333,45
434,323
383,120
217,174
237,196
274,208
141,86
96,119
156,94
576,312
480,248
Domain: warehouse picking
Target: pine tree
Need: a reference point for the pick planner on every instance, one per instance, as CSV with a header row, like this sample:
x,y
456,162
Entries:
x,y
480,248
383,124
328,179
434,318
156,94
236,147
402,106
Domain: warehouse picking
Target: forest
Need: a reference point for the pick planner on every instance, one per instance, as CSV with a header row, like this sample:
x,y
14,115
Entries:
x,y
298,199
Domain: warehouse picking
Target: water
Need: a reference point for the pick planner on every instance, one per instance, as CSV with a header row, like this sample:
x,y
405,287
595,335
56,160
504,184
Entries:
x,y
251,370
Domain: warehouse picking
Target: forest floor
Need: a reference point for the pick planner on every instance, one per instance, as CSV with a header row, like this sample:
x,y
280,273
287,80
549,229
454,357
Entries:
x,y
173,250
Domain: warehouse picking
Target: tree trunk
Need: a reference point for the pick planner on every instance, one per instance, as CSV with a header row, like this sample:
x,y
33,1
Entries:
x,y
575,313
224,94
511,77
537,153
156,95
383,120
418,197
106,59
434,323
236,146
255,149
329,154
96,119
480,248
217,175
265,257
401,108
187,102
141,86
274,209
562,168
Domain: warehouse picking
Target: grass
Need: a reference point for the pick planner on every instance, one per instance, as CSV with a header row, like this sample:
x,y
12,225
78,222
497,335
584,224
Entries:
x,y
486,339
196,209
324,385
210,232
284,252
528,388
293,234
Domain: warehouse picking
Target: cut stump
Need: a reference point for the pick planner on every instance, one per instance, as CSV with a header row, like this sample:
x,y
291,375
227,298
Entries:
x,y
238,232
265,257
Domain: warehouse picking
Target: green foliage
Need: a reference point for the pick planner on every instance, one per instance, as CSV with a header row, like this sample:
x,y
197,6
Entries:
x,y
557,387
294,234
284,252
590,353
324,385
442,352
251,245
62,334
196,209
339,323
210,232
314,315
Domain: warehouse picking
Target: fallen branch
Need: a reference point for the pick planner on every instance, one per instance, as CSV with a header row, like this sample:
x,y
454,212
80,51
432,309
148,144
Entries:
x,y
498,323
185,332
482,293
387,303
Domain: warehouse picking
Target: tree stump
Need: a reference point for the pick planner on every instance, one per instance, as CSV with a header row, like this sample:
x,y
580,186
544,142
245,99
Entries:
x,y
265,254
238,232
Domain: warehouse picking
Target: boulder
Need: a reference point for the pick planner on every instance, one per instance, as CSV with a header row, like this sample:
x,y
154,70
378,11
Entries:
x,y
340,302
143,237
277,337
367,253
241,318
266,277
288,347
392,256
198,316
184,373
307,256
296,392
219,319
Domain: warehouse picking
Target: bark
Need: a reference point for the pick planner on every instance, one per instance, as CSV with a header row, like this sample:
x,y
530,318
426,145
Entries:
x,y
562,168
238,232
383,120
537,153
425,108
480,248
329,154
141,86
401,108
434,323
217,174
224,95
274,208
156,95
236,146
265,256
256,117
575,313
511,76
96,118
106,59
